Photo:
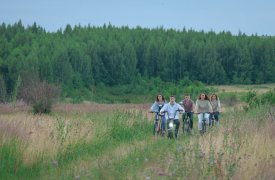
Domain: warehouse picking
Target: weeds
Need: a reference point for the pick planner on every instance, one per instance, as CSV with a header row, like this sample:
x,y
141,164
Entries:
x,y
119,145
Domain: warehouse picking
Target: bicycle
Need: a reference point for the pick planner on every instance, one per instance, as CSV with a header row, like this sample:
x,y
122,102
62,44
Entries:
x,y
171,126
186,127
214,119
203,122
158,130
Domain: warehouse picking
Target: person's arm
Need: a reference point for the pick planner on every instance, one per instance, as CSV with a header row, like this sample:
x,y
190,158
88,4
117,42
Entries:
x,y
164,108
193,106
219,106
181,108
210,107
153,107
196,106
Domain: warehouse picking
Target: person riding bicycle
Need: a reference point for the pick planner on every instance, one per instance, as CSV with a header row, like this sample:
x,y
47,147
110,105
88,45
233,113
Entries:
x,y
157,105
189,107
172,112
216,106
203,107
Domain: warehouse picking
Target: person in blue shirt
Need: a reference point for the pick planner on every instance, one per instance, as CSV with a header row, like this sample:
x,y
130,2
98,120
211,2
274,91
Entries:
x,y
158,104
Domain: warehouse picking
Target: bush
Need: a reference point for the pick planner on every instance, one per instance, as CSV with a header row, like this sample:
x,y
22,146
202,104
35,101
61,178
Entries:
x,y
269,97
38,94
253,100
42,106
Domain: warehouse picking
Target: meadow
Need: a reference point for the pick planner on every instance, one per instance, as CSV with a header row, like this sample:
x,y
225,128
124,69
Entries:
x,y
115,141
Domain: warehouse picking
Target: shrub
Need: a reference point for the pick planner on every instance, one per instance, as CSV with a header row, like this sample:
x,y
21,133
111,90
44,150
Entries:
x,y
38,94
42,106
269,97
253,100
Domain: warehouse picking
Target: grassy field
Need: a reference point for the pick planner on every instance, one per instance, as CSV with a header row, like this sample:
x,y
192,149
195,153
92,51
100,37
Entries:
x,y
262,88
92,141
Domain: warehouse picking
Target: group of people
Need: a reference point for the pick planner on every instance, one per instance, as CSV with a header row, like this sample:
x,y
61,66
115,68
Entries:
x,y
205,107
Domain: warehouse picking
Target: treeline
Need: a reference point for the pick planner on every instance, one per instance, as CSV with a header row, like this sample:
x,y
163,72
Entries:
x,y
83,57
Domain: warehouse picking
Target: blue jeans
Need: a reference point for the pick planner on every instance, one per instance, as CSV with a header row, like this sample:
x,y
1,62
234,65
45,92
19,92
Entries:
x,y
215,115
177,122
190,115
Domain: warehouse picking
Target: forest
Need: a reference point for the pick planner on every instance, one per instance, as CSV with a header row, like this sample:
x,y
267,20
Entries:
x,y
83,57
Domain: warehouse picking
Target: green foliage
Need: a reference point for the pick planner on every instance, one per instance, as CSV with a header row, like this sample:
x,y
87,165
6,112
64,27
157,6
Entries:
x,y
144,90
16,89
42,106
122,129
82,57
254,100
3,90
40,95
11,157
269,97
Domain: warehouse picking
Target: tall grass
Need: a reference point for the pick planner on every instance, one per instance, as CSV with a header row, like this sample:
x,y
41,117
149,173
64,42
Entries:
x,y
119,145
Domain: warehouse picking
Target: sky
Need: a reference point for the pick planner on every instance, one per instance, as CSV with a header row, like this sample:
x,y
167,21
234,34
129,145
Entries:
x,y
246,16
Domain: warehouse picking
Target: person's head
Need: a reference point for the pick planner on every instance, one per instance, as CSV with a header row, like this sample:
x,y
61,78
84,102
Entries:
x,y
214,97
172,99
160,98
187,97
203,96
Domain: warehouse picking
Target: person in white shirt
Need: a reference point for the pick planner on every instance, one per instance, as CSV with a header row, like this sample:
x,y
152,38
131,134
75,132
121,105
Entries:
x,y
172,112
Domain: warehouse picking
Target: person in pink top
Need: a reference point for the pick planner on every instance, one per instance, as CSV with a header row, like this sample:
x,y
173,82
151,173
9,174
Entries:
x,y
216,106
189,107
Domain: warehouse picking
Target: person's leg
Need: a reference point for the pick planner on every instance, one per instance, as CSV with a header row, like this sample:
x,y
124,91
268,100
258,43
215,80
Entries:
x,y
206,116
183,119
211,116
177,122
163,123
200,116
216,116
156,123
191,119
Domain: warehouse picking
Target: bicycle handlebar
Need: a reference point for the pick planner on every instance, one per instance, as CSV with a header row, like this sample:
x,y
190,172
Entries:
x,y
202,112
179,110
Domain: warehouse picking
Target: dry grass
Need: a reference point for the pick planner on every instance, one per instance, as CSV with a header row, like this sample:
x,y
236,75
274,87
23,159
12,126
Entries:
x,y
257,154
39,133
94,107
8,108
245,88
250,147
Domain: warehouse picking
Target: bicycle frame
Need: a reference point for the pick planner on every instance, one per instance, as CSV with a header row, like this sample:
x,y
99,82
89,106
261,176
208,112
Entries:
x,y
213,120
158,130
203,122
186,124
171,127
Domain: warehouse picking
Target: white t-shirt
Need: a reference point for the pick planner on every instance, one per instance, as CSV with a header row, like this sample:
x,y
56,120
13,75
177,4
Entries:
x,y
172,110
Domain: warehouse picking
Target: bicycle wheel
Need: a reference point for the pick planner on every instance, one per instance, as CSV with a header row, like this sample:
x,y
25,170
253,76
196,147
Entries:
x,y
156,127
203,126
188,126
159,127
